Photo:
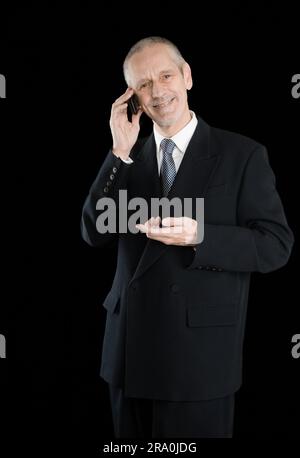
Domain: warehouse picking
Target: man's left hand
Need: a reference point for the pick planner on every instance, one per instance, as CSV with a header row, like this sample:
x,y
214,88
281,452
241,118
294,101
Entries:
x,y
174,231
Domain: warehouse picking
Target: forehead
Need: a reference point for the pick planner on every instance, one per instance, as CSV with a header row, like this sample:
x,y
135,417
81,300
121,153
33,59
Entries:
x,y
151,60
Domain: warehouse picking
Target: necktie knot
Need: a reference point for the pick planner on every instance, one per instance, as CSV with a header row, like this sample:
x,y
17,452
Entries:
x,y
167,145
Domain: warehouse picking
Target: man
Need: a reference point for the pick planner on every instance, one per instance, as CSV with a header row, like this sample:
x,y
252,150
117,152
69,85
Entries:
x,y
172,350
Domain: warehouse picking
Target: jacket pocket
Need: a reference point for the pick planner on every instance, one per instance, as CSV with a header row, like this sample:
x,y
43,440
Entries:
x,y
112,302
220,315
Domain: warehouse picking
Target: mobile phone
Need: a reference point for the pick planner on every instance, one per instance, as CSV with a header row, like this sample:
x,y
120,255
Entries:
x,y
133,104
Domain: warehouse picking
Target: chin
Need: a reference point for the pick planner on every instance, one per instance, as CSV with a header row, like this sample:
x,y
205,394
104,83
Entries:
x,y
165,123
168,121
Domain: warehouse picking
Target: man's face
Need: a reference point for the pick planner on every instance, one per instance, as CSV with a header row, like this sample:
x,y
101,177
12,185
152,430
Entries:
x,y
161,86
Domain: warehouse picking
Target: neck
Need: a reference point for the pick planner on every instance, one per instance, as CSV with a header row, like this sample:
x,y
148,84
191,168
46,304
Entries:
x,y
170,131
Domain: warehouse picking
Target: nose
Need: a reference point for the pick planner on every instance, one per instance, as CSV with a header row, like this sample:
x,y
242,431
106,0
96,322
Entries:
x,y
157,90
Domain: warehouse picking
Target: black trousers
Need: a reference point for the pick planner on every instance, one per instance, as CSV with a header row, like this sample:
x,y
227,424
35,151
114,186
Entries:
x,y
151,418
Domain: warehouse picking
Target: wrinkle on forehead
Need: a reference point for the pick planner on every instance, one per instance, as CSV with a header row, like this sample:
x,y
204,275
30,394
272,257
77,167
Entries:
x,y
151,62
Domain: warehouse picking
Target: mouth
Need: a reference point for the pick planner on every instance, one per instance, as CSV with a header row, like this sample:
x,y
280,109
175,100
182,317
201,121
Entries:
x,y
164,104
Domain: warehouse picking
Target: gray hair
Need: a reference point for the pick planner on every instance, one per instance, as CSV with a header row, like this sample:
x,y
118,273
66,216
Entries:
x,y
150,41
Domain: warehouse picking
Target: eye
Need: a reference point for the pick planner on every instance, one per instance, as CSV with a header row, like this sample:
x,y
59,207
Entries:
x,y
144,85
167,76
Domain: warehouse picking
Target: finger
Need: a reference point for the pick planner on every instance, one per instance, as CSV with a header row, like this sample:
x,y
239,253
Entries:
x,y
171,221
119,108
148,223
157,220
154,221
141,228
166,231
125,96
136,117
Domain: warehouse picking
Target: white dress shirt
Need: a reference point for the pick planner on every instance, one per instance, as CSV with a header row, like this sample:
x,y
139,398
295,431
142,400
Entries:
x,y
181,140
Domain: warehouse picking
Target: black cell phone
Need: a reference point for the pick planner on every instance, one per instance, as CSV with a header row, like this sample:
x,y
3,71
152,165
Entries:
x,y
133,104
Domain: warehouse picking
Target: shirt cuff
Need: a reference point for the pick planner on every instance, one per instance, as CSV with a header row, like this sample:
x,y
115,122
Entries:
x,y
127,161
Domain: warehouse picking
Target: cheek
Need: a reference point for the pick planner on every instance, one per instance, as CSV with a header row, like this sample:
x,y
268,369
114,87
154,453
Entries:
x,y
183,94
147,104
178,92
144,100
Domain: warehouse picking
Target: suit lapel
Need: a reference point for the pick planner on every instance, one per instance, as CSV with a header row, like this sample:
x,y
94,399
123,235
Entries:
x,y
192,179
146,179
197,166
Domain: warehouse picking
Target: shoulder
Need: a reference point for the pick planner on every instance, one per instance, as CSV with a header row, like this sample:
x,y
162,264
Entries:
x,y
234,140
234,145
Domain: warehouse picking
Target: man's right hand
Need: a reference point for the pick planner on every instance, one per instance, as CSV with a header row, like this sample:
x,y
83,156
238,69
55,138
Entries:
x,y
124,133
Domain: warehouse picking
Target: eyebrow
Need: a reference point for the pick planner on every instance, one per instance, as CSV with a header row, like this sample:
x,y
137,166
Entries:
x,y
142,81
160,73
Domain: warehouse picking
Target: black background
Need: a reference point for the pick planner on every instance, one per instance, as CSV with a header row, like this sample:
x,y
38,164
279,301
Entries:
x,y
63,71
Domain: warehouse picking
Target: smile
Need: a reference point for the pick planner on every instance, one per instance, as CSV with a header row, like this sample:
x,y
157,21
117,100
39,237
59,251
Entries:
x,y
164,104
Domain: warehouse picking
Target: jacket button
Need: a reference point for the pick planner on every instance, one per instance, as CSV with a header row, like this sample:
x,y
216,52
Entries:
x,y
108,183
175,288
207,268
114,169
105,189
200,267
112,176
214,268
219,269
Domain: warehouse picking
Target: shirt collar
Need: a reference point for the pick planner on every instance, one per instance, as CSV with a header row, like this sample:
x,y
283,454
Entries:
x,y
182,138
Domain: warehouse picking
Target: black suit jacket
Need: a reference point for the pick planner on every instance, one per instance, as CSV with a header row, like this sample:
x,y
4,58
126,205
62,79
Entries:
x,y
176,317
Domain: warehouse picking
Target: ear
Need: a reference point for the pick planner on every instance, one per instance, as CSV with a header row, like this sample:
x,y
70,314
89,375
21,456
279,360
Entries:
x,y
187,76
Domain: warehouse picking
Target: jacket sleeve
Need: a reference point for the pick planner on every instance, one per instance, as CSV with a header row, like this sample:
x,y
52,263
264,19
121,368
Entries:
x,y
262,240
112,177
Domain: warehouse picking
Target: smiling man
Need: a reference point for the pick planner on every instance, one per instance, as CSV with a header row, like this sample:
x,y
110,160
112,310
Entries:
x,y
172,350
161,78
